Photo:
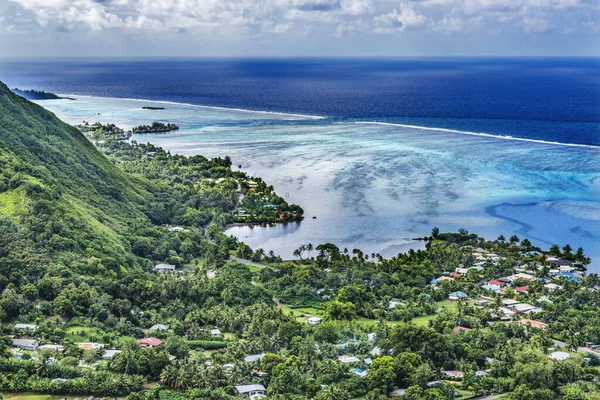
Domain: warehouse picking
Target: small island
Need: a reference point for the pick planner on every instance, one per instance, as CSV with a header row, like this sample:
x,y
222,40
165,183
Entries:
x,y
152,108
156,127
39,95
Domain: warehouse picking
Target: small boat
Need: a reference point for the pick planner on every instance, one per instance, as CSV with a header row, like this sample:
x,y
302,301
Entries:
x,y
314,217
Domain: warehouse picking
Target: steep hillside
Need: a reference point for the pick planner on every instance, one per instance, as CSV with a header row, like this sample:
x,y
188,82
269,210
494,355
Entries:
x,y
58,194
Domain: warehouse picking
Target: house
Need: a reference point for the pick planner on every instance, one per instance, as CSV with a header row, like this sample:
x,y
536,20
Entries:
x,y
522,289
534,310
159,327
51,347
150,342
506,314
253,357
444,278
26,344
496,282
522,308
521,276
314,320
176,229
247,391
26,327
375,351
552,286
398,393
215,332
543,299
371,336
89,346
560,355
394,303
509,302
491,288
462,271
454,374
533,323
563,274
368,361
164,268
348,359
458,295
109,354
461,329
455,275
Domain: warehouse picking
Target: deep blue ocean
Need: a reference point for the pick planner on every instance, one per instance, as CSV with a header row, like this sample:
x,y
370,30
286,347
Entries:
x,y
551,99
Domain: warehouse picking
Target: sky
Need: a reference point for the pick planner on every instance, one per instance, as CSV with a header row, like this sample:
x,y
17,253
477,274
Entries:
x,y
272,28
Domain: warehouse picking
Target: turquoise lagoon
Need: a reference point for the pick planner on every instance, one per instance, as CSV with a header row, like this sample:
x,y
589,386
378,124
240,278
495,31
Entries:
x,y
376,186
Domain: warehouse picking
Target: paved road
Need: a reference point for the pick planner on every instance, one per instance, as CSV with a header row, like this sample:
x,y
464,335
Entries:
x,y
579,349
248,262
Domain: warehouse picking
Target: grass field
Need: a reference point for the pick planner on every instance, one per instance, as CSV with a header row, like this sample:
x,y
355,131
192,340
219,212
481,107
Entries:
x,y
320,312
80,333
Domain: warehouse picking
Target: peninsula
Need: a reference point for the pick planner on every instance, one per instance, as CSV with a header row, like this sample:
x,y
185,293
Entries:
x,y
39,95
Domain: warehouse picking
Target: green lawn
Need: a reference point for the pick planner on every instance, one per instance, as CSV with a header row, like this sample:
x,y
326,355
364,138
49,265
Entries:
x,y
320,312
253,269
79,333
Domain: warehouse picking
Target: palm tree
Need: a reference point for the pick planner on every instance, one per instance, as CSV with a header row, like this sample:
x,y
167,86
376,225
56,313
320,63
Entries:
x,y
183,378
42,367
309,248
168,376
331,392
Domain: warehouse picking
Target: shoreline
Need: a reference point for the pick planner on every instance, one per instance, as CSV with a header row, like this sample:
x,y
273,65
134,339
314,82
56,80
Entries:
x,y
307,116
319,117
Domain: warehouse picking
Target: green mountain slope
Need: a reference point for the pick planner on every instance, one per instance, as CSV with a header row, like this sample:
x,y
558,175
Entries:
x,y
58,193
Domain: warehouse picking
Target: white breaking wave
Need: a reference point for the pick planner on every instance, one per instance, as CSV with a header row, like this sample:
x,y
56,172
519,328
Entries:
x,y
489,135
315,117
196,105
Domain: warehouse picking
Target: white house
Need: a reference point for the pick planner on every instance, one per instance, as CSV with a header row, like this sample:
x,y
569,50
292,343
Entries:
x,y
26,344
253,358
109,354
348,359
560,355
24,327
314,320
248,391
164,268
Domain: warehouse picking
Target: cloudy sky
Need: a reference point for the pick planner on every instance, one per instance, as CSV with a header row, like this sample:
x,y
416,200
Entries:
x,y
298,27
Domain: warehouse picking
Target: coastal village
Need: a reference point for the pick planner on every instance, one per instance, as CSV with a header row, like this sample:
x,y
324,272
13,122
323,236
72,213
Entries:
x,y
518,297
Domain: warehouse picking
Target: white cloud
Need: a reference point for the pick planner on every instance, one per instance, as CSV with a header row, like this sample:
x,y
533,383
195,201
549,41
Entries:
x,y
396,21
536,25
448,25
278,17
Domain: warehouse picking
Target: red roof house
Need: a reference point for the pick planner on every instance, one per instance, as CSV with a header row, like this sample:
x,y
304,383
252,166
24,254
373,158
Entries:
x,y
150,342
533,323
522,289
495,282
461,329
